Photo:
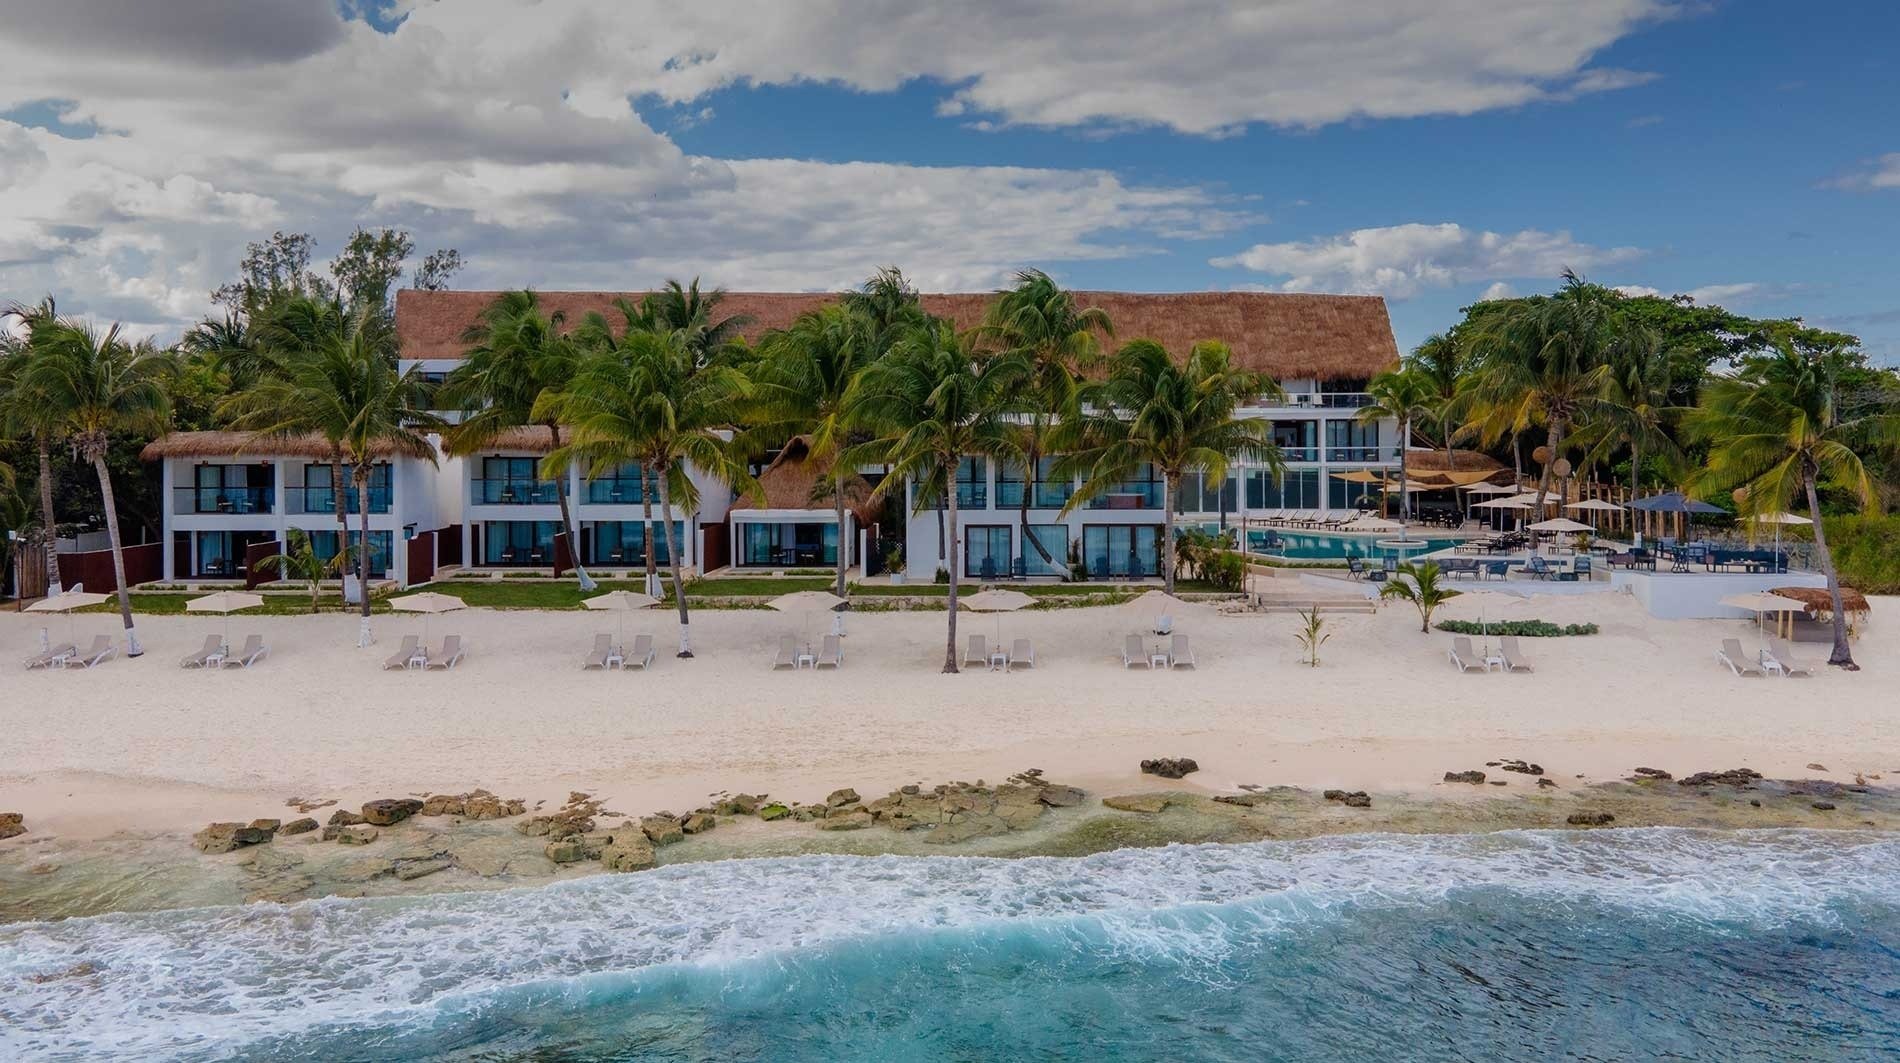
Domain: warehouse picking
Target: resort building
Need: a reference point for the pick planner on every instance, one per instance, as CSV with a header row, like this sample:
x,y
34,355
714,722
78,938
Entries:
x,y
230,499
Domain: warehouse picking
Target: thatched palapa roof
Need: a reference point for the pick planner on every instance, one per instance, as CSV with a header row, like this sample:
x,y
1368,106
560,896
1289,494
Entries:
x,y
244,446
1289,336
792,482
1820,603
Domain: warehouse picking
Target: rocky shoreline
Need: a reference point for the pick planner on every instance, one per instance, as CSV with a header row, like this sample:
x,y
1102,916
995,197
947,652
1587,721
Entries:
x,y
479,840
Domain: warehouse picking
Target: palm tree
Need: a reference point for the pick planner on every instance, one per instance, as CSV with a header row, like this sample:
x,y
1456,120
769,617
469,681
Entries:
x,y
1439,360
347,388
694,319
93,384
1041,322
1174,418
806,376
1638,413
1418,584
1548,360
288,332
1777,432
21,414
301,561
645,401
930,404
511,377
1405,396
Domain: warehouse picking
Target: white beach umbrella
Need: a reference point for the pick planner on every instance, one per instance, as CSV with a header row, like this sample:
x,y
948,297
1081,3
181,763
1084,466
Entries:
x,y
1761,603
1778,519
1502,503
66,603
1560,524
1596,504
621,603
427,603
225,603
1485,487
810,602
998,602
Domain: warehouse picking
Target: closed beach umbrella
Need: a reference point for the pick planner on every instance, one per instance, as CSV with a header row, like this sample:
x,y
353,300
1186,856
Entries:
x,y
996,601
427,603
225,603
66,603
622,603
810,602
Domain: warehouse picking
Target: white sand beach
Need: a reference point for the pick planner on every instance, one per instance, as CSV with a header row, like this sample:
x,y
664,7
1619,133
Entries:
x,y
146,745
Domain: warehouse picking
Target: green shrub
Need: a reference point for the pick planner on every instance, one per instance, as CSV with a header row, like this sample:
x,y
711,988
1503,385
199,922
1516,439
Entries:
x,y
1534,629
1866,552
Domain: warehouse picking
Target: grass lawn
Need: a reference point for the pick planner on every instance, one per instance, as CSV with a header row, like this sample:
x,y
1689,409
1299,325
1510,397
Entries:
x,y
172,603
565,594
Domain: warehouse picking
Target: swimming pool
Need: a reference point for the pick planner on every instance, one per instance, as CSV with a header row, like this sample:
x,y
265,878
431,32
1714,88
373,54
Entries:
x,y
1319,546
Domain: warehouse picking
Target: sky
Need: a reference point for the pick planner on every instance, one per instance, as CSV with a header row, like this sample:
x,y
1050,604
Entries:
x,y
1743,153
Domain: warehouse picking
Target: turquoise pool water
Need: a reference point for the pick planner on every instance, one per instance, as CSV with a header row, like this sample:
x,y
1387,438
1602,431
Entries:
x,y
1314,546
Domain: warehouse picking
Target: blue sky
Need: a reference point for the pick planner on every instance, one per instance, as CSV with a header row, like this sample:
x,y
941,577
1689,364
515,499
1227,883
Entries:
x,y
1743,152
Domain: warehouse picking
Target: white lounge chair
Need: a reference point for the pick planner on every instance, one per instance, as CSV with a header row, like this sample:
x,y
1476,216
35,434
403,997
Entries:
x,y
214,645
100,650
642,655
1464,657
1022,653
1738,662
254,650
449,655
54,656
1180,655
599,655
787,653
979,651
830,653
1513,660
1780,657
1134,653
404,654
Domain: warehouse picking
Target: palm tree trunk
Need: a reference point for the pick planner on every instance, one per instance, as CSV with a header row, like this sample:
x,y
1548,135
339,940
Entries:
x,y
844,541
1842,655
1636,468
567,524
361,476
1555,443
1033,461
49,528
950,508
132,647
1405,482
646,533
338,498
1167,533
673,554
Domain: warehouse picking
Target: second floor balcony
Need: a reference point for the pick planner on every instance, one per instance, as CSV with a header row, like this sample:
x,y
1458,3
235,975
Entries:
x,y
323,499
223,499
510,491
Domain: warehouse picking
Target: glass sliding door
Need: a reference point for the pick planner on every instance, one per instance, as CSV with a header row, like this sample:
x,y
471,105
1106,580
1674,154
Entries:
x,y
623,542
1121,550
1054,539
526,543
324,543
986,552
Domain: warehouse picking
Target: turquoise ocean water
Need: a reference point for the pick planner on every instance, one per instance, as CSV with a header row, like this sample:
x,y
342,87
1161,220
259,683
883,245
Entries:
x,y
1607,945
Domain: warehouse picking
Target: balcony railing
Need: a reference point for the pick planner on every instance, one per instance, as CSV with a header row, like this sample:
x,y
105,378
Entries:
x,y
1361,454
614,492
1009,495
516,492
223,499
1139,494
1299,453
323,500
1325,400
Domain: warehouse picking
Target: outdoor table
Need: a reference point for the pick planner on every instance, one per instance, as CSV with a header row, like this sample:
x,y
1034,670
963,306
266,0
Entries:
x,y
999,659
1158,656
807,659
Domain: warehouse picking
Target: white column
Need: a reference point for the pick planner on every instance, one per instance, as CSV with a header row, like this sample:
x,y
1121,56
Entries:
x,y
167,506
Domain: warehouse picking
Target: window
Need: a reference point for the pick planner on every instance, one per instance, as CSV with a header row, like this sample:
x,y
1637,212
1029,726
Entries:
x,y
229,489
1297,440
623,542
1054,539
318,498
1297,489
514,482
324,543
986,553
1345,494
621,487
1199,494
1121,550
973,490
518,542
1351,440
1140,491
1048,492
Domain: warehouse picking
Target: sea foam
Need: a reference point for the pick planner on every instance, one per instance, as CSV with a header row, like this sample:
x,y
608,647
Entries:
x,y
223,982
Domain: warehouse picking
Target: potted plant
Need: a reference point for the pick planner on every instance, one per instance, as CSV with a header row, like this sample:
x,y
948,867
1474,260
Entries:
x,y
894,564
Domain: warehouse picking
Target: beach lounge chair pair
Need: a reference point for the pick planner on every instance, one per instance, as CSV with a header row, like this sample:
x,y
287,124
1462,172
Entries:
x,y
254,650
1135,652
54,656
605,654
1022,653
411,654
1738,661
830,654
100,650
1510,658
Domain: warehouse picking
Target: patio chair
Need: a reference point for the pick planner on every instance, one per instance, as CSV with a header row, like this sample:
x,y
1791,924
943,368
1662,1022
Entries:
x,y
642,655
1536,568
403,655
214,645
1355,568
1179,653
53,657
1738,662
978,651
254,650
830,653
1022,653
449,655
1513,660
1581,567
1500,569
1779,656
100,649
1464,657
603,649
987,570
787,653
1134,653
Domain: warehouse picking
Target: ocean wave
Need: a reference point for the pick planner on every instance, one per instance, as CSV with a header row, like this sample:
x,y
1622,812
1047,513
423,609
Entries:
x,y
413,971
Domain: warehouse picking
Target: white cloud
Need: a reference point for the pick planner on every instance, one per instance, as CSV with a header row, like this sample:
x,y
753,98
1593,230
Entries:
x,y
1400,261
1497,290
506,129
1708,293
1881,174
